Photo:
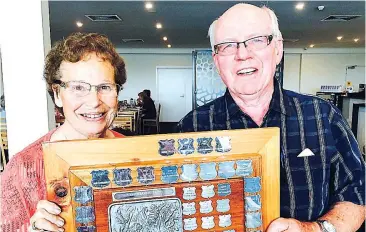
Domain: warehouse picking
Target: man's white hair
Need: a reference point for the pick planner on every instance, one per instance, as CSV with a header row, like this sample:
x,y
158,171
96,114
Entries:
x,y
274,21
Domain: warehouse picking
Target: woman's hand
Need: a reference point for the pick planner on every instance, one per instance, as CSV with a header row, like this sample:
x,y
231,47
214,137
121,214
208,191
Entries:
x,y
46,218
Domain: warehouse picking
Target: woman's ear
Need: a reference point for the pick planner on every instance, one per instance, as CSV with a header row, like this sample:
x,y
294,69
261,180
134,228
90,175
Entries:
x,y
56,95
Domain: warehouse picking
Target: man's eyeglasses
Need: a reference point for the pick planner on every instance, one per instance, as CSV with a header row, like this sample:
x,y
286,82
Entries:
x,y
81,89
253,44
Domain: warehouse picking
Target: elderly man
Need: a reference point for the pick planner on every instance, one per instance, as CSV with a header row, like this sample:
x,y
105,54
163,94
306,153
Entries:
x,y
321,190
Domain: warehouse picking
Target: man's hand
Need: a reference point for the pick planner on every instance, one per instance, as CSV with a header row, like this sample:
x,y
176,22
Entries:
x,y
292,225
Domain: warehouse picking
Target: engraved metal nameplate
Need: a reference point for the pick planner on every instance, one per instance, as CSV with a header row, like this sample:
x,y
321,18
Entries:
x,y
143,194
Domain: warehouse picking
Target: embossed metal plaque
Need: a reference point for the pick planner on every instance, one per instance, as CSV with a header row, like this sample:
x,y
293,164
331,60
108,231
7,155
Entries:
x,y
189,208
122,177
244,168
208,191
223,205
185,146
226,169
225,220
169,174
206,206
189,193
189,172
208,171
83,194
208,222
190,224
204,145
159,215
100,178
223,144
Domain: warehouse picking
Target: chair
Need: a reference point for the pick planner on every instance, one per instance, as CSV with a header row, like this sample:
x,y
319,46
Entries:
x,y
131,114
125,122
153,122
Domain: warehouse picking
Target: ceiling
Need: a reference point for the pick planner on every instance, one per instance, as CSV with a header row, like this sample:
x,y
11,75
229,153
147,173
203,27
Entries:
x,y
186,23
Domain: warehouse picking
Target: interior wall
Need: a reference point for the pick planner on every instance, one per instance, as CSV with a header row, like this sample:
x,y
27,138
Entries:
x,y
327,69
291,72
141,71
305,71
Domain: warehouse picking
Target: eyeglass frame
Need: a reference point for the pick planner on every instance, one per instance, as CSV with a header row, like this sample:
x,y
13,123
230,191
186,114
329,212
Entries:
x,y
63,84
269,40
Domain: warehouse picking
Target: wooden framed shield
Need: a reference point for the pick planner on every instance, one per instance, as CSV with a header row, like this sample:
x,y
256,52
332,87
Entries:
x,y
205,181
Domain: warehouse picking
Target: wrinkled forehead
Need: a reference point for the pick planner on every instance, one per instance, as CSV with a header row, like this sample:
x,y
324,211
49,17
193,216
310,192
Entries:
x,y
241,23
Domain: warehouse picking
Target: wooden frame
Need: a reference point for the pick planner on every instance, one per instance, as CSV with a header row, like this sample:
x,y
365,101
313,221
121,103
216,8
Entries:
x,y
69,164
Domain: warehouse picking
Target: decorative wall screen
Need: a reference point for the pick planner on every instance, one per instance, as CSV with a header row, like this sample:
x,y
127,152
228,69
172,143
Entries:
x,y
207,82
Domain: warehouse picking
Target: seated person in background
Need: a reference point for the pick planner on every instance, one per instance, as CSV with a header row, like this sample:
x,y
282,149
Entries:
x,y
148,108
147,92
2,107
323,189
147,104
84,74
140,99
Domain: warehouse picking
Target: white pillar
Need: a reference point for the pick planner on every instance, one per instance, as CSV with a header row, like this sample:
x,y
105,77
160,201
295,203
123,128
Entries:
x,y
22,50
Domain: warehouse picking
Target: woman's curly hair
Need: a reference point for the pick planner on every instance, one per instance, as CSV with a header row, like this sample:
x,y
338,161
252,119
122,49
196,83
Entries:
x,y
75,48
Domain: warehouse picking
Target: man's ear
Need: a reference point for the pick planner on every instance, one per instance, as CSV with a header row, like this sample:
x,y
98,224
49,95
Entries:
x,y
279,50
56,95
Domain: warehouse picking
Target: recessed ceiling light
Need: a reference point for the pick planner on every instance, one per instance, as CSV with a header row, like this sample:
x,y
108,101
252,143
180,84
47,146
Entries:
x,y
169,46
311,45
300,6
165,38
79,24
159,26
148,5
339,37
356,40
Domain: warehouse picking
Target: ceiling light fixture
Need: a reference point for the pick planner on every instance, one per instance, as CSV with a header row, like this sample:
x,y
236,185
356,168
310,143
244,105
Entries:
x,y
79,24
148,5
339,37
300,6
169,46
165,38
356,40
311,45
159,26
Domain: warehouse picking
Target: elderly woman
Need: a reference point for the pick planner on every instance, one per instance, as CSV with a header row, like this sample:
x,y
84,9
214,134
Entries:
x,y
84,74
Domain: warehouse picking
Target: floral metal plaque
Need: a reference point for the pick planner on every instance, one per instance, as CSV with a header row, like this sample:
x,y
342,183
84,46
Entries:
x,y
163,215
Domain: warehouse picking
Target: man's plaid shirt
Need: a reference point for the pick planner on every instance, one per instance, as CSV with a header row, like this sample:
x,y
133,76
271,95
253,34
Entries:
x,y
309,185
